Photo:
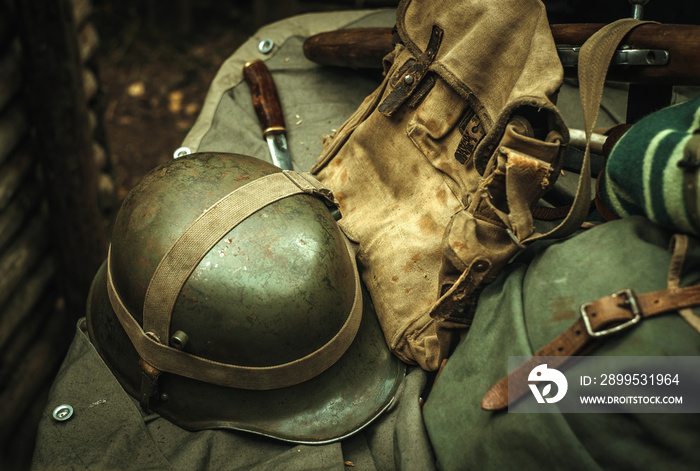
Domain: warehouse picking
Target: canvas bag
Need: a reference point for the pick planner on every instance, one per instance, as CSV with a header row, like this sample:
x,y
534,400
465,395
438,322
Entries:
x,y
437,170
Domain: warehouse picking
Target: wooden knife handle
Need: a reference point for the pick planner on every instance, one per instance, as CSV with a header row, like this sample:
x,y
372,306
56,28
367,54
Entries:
x,y
266,101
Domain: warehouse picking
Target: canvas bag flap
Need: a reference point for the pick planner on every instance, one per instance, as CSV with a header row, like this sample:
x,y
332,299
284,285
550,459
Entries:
x,y
497,55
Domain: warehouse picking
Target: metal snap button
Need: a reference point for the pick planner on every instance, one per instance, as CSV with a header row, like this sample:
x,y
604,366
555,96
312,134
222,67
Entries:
x,y
63,412
266,45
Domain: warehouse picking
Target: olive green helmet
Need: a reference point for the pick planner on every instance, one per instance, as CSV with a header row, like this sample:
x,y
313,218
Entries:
x,y
230,299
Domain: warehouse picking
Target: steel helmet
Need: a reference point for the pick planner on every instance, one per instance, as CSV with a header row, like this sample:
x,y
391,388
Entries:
x,y
230,299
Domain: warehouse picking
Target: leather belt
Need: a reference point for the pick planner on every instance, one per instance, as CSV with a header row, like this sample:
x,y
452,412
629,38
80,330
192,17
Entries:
x,y
605,316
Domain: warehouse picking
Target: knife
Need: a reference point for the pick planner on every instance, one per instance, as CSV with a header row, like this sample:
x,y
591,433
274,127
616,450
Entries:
x,y
267,107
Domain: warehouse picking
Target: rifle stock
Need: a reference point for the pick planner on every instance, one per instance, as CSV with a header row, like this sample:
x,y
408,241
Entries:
x,y
365,48
358,48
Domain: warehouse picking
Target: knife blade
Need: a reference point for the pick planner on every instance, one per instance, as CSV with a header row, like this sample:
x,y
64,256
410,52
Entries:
x,y
268,109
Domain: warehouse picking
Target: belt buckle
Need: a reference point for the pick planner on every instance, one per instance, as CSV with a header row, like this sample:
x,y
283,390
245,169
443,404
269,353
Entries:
x,y
630,302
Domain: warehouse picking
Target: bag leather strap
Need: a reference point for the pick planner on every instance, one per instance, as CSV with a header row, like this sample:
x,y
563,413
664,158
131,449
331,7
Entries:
x,y
413,77
605,316
679,247
600,318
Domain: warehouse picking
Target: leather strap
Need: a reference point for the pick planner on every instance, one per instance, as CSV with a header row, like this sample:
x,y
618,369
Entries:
x,y
544,213
679,247
413,76
600,318
179,262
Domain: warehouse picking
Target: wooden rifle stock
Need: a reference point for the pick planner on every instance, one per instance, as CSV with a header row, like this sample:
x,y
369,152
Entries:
x,y
359,48
365,48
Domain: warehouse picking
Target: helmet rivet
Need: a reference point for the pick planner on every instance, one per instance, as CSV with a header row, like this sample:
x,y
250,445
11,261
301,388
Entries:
x,y
164,397
181,152
63,412
480,266
408,79
179,340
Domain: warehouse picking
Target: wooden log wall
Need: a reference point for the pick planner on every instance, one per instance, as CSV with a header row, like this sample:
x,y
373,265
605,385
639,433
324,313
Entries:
x,y
36,328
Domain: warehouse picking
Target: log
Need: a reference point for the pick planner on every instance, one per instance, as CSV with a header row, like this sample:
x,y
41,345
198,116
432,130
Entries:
x,y
36,371
19,448
10,75
21,256
13,128
64,143
26,325
100,156
88,42
89,84
92,120
21,307
13,172
82,10
22,207
107,192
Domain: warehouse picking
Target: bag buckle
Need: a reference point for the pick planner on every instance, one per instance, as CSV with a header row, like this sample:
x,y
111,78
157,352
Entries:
x,y
630,302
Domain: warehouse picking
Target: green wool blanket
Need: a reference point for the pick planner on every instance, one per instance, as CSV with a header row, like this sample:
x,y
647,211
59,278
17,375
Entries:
x,y
652,170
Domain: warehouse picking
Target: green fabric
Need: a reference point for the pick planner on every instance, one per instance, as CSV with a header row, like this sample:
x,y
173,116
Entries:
x,y
527,307
642,176
108,431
